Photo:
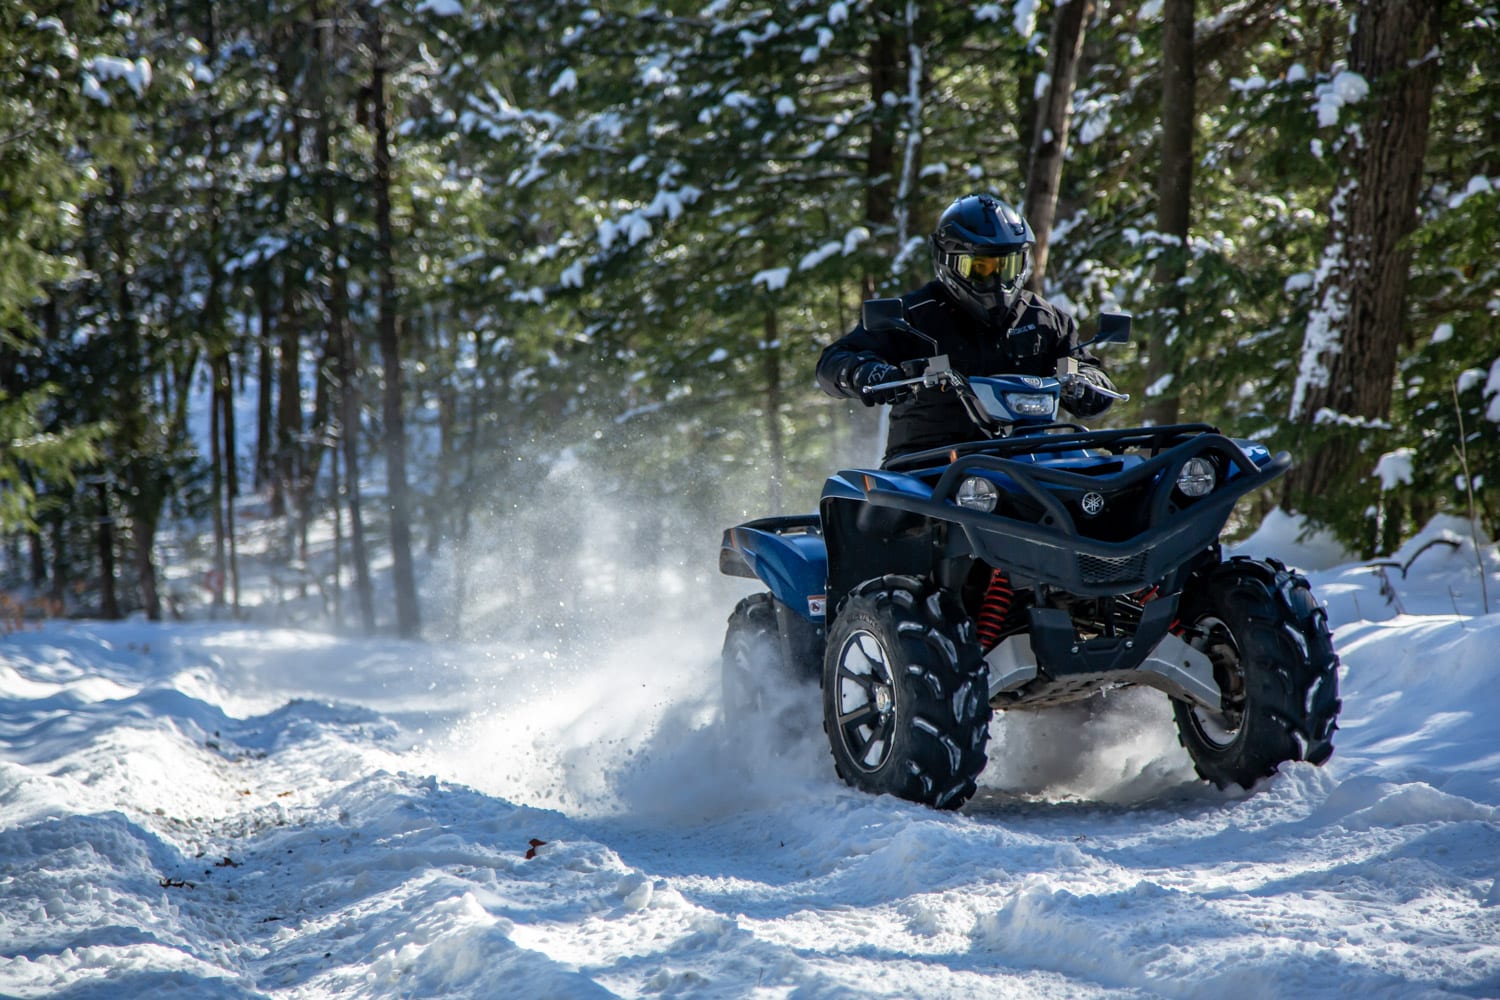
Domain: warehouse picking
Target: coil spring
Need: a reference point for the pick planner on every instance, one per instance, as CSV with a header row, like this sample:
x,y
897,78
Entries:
x,y
994,609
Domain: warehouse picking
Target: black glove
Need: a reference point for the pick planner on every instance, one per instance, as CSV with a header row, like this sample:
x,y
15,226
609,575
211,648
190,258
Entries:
x,y
874,373
1081,395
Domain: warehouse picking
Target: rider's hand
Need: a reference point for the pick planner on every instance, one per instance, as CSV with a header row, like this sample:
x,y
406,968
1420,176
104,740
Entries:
x,y
1081,395
874,373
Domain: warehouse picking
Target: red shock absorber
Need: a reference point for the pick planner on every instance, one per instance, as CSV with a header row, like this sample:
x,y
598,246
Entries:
x,y
994,609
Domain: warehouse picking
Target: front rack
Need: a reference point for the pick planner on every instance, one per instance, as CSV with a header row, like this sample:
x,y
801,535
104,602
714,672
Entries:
x,y
1044,440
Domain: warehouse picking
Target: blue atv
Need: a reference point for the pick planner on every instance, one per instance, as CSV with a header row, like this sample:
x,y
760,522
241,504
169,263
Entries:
x,y
1033,568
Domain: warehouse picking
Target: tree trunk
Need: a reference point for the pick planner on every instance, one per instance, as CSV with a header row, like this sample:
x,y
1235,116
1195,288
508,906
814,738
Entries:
x,y
217,491
265,369
143,481
288,410
231,479
349,406
338,542
143,540
880,200
109,603
908,196
440,519
60,535
38,554
288,375
1054,119
343,359
1174,199
480,403
771,354
880,158
1352,342
408,617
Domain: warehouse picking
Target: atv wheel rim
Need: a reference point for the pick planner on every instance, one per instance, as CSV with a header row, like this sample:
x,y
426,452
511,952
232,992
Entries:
x,y
866,700
1221,729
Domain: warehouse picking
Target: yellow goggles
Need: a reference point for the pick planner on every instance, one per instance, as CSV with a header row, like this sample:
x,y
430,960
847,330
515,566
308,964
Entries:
x,y
1007,267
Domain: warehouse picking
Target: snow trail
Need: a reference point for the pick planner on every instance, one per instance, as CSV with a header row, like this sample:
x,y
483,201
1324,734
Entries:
x,y
222,811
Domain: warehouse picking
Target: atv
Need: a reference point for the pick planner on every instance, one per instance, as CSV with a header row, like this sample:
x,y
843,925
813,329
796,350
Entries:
x,y
1033,568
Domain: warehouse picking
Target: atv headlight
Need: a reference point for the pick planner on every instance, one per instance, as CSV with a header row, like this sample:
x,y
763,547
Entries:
x,y
977,494
1031,404
1196,478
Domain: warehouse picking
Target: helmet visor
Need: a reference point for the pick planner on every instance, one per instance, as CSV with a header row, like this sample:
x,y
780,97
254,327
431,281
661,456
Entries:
x,y
991,271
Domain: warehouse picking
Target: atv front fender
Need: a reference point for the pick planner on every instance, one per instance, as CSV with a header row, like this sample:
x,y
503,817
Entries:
x,y
787,554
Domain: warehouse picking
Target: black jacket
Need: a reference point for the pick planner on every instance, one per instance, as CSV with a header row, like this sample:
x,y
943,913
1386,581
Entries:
x,y
1037,335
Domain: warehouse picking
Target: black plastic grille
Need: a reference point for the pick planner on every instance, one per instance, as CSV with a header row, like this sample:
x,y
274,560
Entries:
x,y
1111,569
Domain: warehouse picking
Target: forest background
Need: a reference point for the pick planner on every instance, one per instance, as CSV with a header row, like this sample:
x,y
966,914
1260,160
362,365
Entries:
x,y
443,280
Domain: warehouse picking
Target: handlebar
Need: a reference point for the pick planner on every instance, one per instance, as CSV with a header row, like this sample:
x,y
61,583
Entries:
x,y
938,374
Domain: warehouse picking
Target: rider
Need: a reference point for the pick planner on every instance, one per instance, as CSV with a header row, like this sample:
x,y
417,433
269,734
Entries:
x,y
981,316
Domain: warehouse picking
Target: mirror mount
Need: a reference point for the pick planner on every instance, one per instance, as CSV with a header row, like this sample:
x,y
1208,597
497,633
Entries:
x,y
1114,328
878,315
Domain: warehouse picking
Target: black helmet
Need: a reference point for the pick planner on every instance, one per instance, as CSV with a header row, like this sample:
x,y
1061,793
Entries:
x,y
981,251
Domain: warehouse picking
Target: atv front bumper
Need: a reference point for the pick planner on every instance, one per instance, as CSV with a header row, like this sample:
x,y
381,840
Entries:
x,y
1057,549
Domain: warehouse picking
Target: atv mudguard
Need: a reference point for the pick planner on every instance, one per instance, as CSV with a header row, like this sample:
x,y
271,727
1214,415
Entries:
x,y
785,553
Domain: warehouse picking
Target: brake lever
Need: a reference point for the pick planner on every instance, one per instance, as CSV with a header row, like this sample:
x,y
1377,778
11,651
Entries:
x,y
938,373
1066,379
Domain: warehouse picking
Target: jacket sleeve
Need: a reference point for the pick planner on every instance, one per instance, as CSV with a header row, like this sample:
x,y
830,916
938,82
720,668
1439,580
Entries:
x,y
840,358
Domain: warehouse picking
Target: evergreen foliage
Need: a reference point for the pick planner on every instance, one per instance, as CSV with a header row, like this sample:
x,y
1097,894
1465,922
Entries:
x,y
621,233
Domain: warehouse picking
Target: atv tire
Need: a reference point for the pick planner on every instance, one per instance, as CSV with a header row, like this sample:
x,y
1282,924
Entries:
x,y
1277,671
759,682
906,693
752,659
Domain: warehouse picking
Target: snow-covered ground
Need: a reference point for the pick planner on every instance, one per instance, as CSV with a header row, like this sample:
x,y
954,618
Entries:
x,y
217,810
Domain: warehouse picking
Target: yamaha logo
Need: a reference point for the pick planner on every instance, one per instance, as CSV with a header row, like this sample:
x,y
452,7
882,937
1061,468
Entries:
x,y
1092,503
1032,381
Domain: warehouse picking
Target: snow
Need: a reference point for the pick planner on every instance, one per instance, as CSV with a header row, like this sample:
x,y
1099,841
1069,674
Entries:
x,y
1477,185
813,258
566,81
1492,393
440,8
1323,338
135,72
774,279
1093,121
1395,468
1023,17
217,809
1443,333
1346,87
